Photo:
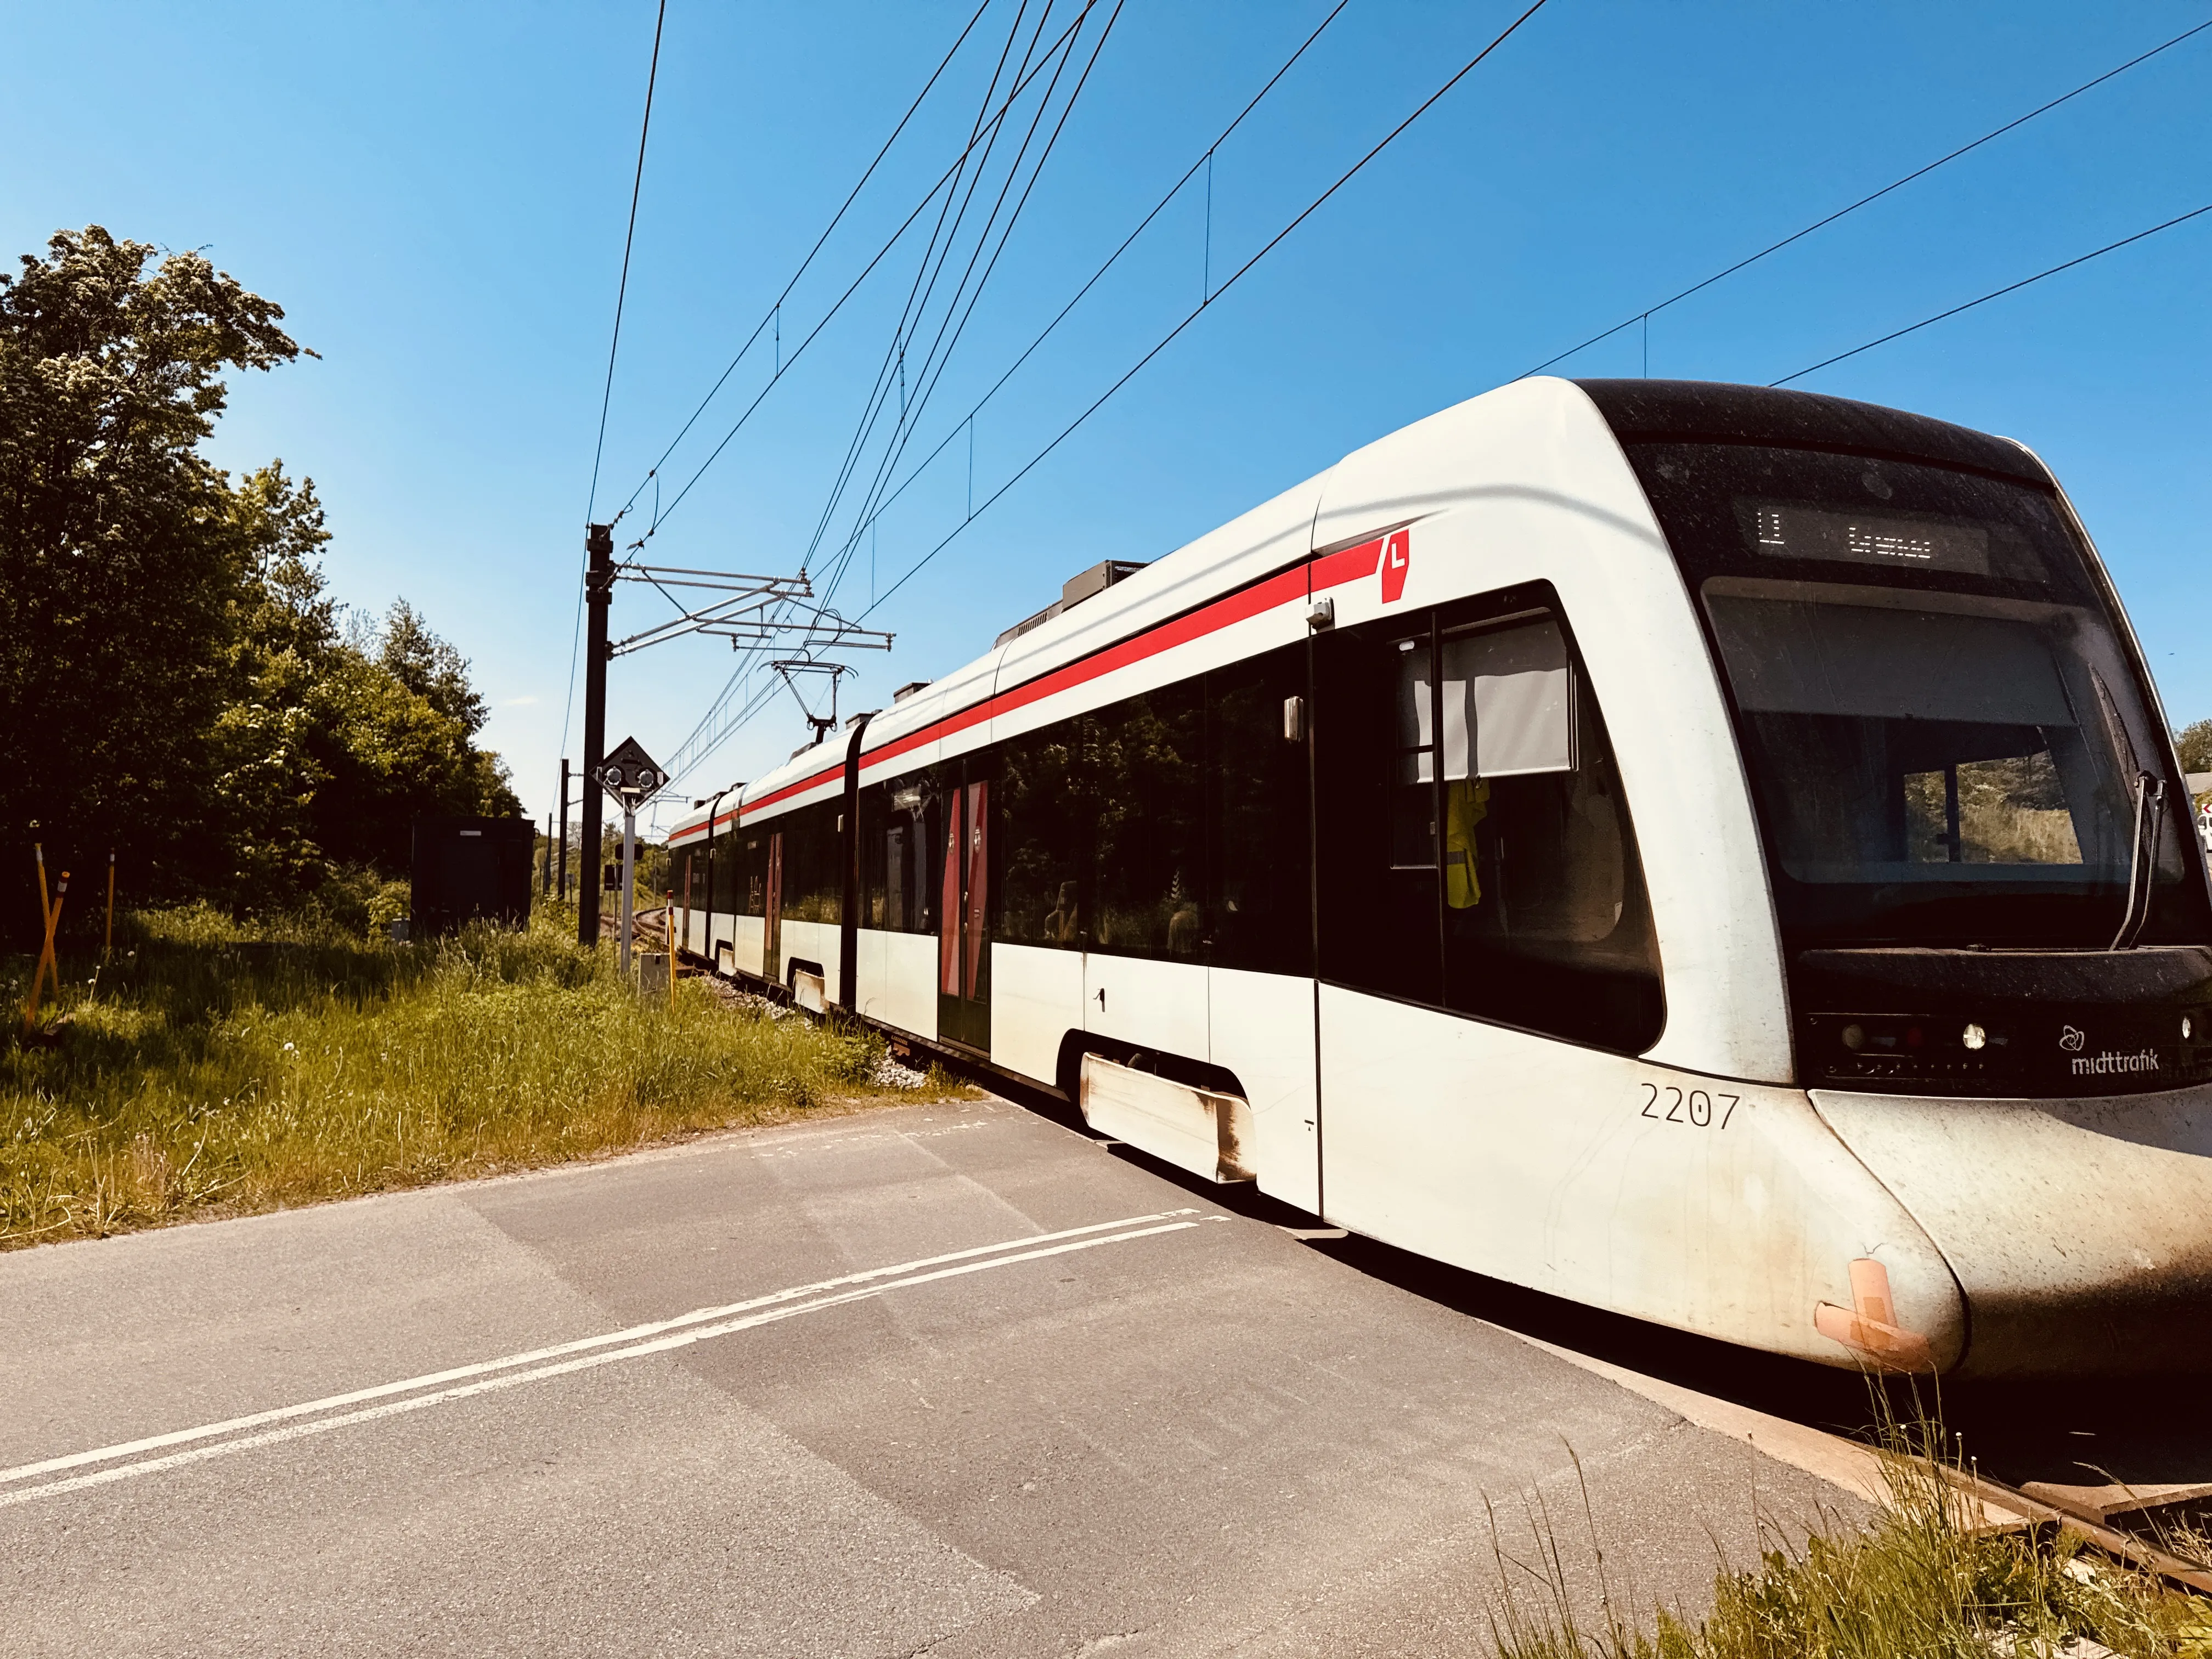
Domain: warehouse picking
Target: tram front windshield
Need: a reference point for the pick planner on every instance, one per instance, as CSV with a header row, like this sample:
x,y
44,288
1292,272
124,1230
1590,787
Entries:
x,y
1943,730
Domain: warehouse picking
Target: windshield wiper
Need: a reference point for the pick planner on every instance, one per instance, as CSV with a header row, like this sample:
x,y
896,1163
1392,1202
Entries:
x,y
2150,808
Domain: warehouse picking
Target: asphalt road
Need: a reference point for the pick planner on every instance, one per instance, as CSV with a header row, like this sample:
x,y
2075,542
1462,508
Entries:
x,y
950,1379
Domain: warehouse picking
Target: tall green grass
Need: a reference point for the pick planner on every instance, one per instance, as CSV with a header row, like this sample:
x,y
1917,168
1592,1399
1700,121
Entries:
x,y
210,1068
1929,1579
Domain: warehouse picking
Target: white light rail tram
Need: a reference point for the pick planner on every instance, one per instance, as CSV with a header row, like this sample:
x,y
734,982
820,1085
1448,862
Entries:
x,y
1710,852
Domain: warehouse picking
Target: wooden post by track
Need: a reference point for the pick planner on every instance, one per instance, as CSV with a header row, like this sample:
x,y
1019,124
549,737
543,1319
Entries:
x,y
46,924
107,943
561,878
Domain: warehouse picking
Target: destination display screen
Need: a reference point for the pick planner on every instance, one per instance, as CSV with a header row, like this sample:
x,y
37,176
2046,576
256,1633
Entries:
x,y
1939,716
1788,529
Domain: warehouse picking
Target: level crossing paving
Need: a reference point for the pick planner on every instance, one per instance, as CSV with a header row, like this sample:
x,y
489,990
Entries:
x,y
952,1378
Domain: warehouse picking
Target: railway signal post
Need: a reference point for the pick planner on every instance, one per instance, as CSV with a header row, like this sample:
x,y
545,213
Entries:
x,y
631,776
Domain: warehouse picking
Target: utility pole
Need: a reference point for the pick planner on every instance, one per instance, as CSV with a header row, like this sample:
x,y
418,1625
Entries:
x,y
598,588
563,853
748,613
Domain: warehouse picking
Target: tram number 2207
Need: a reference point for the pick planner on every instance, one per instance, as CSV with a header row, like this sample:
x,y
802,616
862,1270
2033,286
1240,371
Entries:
x,y
1695,1108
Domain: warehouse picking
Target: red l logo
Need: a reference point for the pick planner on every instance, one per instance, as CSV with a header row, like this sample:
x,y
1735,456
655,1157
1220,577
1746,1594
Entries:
x,y
1397,554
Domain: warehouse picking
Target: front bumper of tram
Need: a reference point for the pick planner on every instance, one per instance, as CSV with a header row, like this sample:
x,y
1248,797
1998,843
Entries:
x,y
2079,1230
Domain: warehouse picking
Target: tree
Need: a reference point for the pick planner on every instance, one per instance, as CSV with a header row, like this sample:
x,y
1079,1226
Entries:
x,y
285,637
2194,744
180,685
389,754
119,571
429,667
342,733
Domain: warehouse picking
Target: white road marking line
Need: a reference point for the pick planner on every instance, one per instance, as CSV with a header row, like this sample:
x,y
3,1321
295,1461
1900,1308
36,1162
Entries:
x,y
696,1316
587,1362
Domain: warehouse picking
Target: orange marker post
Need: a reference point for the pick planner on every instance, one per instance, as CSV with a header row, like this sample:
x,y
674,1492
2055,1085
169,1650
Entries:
x,y
46,956
46,920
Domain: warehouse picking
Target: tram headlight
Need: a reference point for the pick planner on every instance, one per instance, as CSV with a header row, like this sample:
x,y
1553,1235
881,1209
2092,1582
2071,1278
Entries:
x,y
1973,1036
1854,1038
2184,1028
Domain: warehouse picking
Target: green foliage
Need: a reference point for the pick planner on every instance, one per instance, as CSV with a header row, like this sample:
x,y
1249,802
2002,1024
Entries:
x,y
2194,742
1929,1579
118,570
429,668
216,1068
182,686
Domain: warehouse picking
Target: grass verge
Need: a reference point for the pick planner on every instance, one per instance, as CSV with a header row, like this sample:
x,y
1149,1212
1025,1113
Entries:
x,y
215,1069
1928,1580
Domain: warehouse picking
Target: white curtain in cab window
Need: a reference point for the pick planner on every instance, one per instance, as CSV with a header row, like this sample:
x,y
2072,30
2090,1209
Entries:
x,y
1510,685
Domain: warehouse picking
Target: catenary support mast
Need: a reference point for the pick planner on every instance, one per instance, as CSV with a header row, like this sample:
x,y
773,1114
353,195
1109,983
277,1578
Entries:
x,y
598,588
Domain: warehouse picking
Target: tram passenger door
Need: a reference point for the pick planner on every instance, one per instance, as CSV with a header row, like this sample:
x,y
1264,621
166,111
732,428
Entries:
x,y
964,946
1486,952
772,950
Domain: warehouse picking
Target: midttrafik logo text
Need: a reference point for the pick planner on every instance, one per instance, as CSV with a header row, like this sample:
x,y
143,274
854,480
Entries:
x,y
2105,1065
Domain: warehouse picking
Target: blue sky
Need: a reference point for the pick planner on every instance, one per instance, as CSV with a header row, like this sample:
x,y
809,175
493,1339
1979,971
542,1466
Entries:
x,y
437,195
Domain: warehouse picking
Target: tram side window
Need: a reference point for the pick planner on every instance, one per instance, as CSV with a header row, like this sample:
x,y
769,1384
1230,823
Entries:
x,y
734,867
1172,824
1546,922
1144,758
813,880
1047,809
901,853
792,868
1259,898
710,880
874,807
748,875
1501,878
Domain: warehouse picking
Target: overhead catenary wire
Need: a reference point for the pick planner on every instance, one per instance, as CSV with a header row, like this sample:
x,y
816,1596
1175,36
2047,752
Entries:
x,y
1649,312
730,689
629,235
949,331
792,358
911,317
874,514
704,738
1234,277
772,317
614,344
983,134
1995,294
944,237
